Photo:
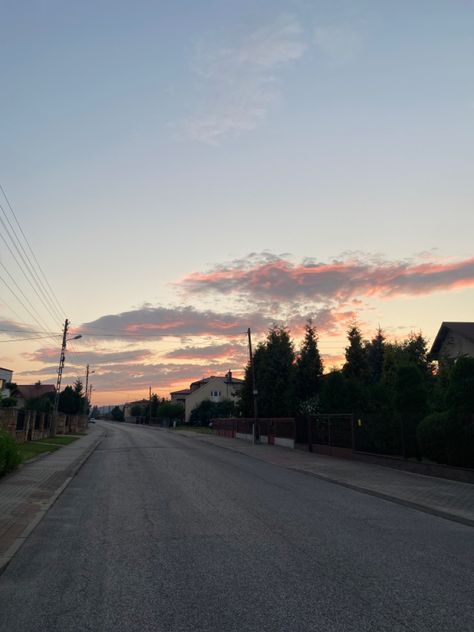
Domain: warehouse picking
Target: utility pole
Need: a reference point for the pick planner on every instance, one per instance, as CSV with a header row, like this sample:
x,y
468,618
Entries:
x,y
254,386
62,357
87,386
149,405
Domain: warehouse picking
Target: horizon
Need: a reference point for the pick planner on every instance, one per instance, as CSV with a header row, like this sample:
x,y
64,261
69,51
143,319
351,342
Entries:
x,y
183,173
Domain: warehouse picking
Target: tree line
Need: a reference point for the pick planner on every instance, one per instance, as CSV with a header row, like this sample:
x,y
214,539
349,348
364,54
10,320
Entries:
x,y
391,382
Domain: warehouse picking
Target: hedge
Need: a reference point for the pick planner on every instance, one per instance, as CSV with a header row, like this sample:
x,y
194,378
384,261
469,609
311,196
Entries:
x,y
448,438
9,455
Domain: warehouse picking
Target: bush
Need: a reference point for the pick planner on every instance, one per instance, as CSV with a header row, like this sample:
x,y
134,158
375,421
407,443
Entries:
x,y
448,438
9,455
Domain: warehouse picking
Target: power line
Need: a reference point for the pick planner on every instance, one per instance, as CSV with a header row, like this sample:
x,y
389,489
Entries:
x,y
59,309
22,339
39,320
48,309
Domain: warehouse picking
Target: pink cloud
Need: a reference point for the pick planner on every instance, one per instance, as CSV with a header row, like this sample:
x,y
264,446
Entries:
x,y
281,280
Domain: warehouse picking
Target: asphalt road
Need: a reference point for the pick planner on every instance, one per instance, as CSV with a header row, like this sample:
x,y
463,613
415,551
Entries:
x,y
160,532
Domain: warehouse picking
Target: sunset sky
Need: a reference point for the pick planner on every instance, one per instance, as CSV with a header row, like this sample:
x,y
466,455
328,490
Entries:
x,y
184,170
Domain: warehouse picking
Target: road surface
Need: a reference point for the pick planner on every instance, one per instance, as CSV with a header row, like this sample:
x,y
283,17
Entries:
x,y
159,532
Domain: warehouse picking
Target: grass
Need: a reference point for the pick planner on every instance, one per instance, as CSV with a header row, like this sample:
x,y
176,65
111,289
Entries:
x,y
31,449
63,440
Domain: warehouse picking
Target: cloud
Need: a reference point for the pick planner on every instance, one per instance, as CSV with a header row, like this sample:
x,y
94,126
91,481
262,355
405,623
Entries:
x,y
338,280
95,358
240,83
339,43
154,323
219,352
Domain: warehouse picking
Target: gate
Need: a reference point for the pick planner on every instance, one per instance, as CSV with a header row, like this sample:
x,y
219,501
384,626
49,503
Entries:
x,y
331,434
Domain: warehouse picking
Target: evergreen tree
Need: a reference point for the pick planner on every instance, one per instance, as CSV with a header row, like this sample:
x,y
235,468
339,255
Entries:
x,y
274,365
309,367
356,365
375,351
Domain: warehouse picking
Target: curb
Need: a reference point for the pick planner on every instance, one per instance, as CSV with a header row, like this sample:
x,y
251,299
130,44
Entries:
x,y
19,541
363,490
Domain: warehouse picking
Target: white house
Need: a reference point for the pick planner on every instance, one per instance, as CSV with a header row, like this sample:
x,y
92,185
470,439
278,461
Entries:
x,y
215,388
453,340
5,378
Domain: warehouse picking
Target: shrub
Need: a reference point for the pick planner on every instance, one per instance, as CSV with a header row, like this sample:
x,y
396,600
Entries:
x,y
448,438
9,455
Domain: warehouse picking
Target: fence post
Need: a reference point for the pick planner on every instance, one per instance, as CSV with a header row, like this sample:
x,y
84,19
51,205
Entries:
x,y
352,433
310,435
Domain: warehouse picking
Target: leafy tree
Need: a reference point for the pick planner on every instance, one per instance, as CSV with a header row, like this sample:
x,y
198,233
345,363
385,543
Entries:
x,y
155,403
8,402
460,393
335,395
207,410
309,367
416,352
117,413
170,410
136,410
410,390
356,365
42,404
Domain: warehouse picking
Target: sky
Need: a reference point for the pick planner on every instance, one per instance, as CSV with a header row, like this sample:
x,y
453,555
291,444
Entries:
x,y
185,170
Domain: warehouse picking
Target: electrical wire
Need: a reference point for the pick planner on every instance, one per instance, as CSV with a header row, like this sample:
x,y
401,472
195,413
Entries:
x,y
36,320
52,296
61,309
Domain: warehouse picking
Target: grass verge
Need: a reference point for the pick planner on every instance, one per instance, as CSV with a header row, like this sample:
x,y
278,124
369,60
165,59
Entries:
x,y
31,449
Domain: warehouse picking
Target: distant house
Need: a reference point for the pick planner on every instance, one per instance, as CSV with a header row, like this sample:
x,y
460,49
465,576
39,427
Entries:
x,y
179,397
31,391
215,388
5,378
127,409
453,340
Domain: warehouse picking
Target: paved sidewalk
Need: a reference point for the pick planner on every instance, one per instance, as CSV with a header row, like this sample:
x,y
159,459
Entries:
x,y
28,493
448,499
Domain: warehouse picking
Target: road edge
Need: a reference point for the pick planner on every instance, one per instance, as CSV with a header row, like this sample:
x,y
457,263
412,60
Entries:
x,y
21,539
357,488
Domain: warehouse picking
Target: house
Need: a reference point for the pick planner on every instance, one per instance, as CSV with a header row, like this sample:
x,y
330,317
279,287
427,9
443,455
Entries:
x,y
32,391
179,397
453,340
5,378
127,409
215,388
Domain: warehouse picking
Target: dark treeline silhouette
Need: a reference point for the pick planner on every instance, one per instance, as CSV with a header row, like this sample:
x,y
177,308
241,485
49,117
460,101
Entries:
x,y
402,401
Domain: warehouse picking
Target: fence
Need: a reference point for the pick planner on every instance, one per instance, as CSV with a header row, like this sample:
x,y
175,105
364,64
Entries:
x,y
30,425
273,431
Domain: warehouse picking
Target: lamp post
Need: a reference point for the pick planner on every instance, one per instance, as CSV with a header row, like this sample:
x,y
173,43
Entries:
x,y
62,358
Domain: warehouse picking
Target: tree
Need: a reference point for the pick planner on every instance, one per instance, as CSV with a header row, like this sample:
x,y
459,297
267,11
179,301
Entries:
x,y
274,363
309,367
136,410
70,401
207,410
375,352
117,413
170,410
410,391
356,365
460,394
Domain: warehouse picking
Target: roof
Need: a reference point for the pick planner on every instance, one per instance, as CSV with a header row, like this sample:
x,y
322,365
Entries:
x,y
465,329
225,378
29,391
184,391
3,369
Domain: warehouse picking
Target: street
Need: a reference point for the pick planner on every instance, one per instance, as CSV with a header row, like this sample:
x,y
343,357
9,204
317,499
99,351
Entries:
x,y
160,532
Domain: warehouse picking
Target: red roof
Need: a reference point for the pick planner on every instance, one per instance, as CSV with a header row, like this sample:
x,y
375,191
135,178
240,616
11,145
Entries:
x,y
34,390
